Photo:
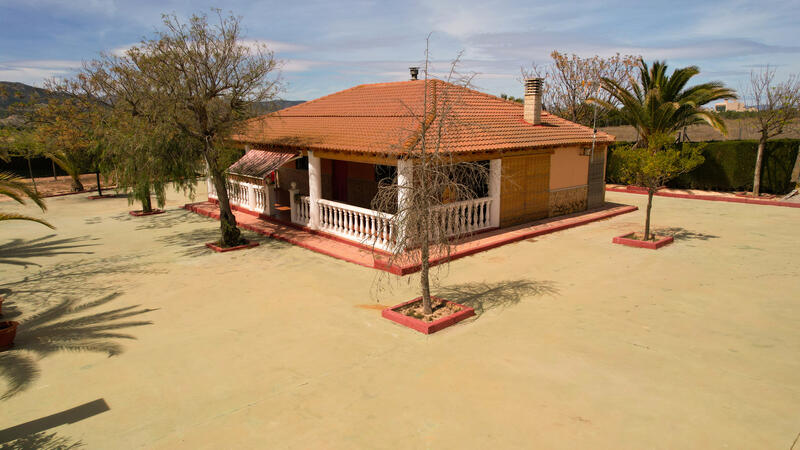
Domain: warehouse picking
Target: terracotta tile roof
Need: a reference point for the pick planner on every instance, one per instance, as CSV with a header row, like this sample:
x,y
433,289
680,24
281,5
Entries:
x,y
260,163
385,118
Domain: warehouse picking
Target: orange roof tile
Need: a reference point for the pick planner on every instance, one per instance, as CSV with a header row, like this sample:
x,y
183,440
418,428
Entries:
x,y
385,118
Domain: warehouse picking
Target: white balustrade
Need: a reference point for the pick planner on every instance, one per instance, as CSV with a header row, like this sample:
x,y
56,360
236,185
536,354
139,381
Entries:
x,y
249,196
464,217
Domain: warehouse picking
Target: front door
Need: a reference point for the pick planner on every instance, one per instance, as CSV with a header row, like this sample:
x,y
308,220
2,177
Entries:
x,y
525,189
340,181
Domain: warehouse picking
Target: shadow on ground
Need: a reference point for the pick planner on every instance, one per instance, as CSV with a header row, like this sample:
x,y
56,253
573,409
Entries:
x,y
193,242
32,434
682,234
42,440
485,296
170,219
67,326
17,251
85,278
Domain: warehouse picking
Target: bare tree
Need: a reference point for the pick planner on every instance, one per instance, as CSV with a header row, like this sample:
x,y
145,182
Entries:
x,y
778,107
571,80
429,177
204,81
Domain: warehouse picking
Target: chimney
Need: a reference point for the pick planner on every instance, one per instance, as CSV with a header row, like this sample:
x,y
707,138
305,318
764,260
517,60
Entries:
x,y
414,72
533,101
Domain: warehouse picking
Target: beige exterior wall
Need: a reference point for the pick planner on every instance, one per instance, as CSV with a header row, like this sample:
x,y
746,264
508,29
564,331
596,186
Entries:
x,y
568,167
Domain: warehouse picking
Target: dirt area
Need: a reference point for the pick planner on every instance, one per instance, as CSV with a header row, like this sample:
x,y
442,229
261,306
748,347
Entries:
x,y
439,307
576,343
48,186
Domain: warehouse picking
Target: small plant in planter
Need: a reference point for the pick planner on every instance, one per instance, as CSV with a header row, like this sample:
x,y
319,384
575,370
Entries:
x,y
651,167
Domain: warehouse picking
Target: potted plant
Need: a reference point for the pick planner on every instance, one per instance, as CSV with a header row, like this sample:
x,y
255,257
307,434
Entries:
x,y
8,329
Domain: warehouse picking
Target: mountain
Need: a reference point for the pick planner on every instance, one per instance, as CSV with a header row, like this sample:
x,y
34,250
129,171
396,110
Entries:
x,y
12,93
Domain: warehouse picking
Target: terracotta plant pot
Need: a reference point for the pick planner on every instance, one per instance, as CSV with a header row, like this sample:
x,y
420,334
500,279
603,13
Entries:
x,y
1,305
8,329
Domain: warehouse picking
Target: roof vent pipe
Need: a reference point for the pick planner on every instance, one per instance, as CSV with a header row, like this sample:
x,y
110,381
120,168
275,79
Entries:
x,y
414,72
532,112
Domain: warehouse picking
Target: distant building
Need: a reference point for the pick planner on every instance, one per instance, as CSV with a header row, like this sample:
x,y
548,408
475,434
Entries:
x,y
732,105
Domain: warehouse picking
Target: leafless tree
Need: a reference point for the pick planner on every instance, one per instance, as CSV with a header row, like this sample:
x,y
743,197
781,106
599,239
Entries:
x,y
570,80
435,178
778,107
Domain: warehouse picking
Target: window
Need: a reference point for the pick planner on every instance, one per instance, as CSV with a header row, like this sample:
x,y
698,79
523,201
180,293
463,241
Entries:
x,y
301,163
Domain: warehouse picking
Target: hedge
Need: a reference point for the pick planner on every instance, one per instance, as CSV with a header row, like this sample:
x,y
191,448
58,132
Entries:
x,y
729,166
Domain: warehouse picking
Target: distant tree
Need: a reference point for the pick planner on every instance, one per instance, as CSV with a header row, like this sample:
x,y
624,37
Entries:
x,y
204,82
21,142
420,227
570,80
16,189
68,128
659,104
652,166
778,107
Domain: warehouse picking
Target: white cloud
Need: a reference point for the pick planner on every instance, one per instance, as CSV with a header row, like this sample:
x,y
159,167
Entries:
x,y
300,65
34,72
275,46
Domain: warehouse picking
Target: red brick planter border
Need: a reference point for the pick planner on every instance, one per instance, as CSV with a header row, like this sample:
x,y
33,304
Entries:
x,y
140,213
217,248
713,198
7,334
427,327
626,239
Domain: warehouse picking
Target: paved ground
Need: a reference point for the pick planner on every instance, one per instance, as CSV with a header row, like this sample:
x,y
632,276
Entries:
x,y
579,343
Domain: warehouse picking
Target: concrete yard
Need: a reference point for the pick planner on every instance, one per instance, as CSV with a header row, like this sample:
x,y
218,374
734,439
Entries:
x,y
578,342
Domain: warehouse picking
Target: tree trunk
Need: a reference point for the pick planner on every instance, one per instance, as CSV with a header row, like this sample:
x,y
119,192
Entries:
x,y
77,186
99,188
147,205
30,171
650,193
424,280
762,143
55,175
230,234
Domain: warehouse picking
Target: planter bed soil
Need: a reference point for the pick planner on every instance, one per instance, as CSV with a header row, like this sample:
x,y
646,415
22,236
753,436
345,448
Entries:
x,y
445,313
637,240
142,213
215,246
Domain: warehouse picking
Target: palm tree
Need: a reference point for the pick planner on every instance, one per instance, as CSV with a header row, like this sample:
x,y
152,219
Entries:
x,y
13,187
662,104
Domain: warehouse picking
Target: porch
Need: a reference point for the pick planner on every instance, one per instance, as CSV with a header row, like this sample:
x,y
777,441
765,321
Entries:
x,y
348,250
290,198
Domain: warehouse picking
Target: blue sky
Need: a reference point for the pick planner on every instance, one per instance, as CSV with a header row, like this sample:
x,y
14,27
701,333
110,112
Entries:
x,y
327,46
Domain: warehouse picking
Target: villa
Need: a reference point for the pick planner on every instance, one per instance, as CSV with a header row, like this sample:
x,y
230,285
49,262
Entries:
x,y
318,164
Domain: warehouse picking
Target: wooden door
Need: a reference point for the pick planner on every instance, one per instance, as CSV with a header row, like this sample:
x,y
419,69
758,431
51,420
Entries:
x,y
525,189
339,181
596,195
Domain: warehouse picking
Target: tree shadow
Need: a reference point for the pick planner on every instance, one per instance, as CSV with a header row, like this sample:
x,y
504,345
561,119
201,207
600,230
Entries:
x,y
192,242
31,433
84,277
67,326
42,440
17,250
172,218
483,296
682,234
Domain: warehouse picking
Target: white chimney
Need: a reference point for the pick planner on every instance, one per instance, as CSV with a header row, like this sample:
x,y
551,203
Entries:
x,y
533,101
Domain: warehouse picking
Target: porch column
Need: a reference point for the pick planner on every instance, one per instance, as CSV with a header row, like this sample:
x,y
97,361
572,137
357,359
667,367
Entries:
x,y
495,169
314,189
404,179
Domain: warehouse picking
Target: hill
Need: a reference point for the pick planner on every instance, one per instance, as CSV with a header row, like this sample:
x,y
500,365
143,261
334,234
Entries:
x,y
12,93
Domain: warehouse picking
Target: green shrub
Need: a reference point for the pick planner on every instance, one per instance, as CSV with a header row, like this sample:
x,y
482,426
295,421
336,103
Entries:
x,y
729,166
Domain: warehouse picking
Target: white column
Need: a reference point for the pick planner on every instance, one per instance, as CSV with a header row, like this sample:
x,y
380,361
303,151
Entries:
x,y
404,179
314,189
293,206
251,197
495,169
